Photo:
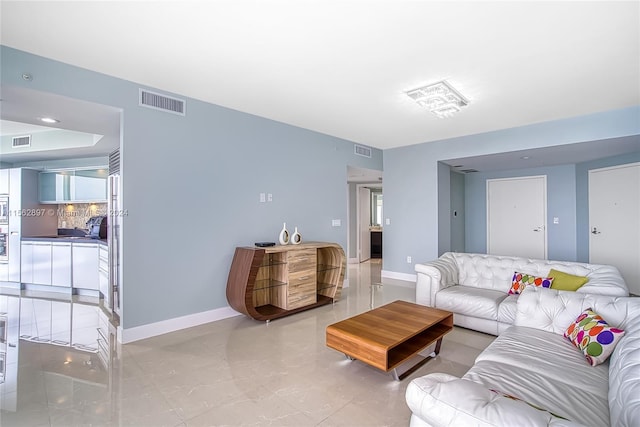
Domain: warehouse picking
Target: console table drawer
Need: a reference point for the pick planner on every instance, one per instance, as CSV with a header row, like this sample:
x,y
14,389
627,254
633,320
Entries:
x,y
301,295
302,260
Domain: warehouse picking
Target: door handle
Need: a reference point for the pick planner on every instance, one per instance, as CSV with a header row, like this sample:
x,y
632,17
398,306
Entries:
x,y
538,229
595,231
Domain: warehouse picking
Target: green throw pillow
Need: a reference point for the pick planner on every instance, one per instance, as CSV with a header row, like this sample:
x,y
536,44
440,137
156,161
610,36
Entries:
x,y
565,281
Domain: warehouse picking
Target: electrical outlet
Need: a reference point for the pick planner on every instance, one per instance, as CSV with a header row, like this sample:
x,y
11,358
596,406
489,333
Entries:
x,y
408,260
269,197
263,198
387,221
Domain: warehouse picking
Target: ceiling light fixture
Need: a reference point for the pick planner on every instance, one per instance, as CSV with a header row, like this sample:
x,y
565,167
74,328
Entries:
x,y
49,120
440,98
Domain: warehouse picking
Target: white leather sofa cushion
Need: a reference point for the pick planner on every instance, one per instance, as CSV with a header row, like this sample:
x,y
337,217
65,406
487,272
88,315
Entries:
x,y
545,370
445,400
507,309
471,301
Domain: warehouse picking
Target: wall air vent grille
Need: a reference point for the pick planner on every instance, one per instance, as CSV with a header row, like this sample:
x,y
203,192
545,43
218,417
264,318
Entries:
x,y
361,150
114,163
21,141
468,170
162,102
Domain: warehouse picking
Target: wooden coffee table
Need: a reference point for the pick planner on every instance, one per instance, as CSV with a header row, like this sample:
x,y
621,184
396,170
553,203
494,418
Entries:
x,y
390,335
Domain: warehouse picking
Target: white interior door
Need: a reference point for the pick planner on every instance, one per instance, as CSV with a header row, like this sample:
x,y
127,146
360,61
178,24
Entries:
x,y
614,220
517,217
364,221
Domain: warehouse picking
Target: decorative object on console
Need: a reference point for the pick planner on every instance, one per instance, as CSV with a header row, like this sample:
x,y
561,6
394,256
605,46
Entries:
x,y
592,335
264,244
296,237
565,281
520,281
283,238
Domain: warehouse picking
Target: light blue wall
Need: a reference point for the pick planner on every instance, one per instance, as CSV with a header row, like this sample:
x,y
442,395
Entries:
x,y
191,187
411,176
561,203
582,197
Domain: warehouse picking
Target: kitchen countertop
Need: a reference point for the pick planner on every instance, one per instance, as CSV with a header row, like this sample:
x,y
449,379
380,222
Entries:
x,y
69,239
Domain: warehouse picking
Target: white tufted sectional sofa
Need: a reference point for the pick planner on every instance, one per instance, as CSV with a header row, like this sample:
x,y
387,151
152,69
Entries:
x,y
533,362
475,286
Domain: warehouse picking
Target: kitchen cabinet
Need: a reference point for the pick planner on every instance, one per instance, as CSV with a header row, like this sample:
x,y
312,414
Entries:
x,y
50,262
103,273
61,264
268,283
84,266
41,261
26,262
73,186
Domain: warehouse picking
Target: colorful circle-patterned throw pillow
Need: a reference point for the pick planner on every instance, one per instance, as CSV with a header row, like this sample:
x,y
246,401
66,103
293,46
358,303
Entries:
x,y
593,336
521,280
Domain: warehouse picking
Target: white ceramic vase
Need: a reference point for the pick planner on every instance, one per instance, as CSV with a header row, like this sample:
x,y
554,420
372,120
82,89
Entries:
x,y
283,238
296,237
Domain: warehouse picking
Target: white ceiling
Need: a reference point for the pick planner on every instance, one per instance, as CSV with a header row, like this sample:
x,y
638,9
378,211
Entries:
x,y
22,108
342,67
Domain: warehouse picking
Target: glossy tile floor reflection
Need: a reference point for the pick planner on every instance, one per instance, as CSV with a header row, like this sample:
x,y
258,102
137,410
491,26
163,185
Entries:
x,y
64,368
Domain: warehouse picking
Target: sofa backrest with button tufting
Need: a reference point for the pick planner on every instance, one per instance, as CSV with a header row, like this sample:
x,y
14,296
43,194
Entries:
x,y
496,271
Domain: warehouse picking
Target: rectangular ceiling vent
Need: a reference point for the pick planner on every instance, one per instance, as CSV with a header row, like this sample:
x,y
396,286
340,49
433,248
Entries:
x,y
114,163
21,141
468,170
162,102
363,151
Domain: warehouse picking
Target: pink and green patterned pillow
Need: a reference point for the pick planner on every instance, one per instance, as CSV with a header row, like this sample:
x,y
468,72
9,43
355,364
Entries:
x,y
521,280
593,336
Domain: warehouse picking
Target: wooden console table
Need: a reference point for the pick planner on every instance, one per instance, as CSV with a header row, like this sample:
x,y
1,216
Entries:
x,y
390,335
267,283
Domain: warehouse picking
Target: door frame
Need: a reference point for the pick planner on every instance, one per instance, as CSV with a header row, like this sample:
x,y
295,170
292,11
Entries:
x,y
543,202
358,209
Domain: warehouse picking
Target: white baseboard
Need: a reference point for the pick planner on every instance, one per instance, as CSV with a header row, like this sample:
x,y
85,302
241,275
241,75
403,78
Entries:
x,y
171,325
400,276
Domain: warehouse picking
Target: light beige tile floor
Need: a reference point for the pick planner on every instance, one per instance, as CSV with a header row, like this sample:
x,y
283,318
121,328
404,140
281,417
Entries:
x,y
236,372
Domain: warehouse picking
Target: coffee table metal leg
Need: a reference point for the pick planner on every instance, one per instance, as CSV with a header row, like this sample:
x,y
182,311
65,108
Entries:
x,y
396,376
349,357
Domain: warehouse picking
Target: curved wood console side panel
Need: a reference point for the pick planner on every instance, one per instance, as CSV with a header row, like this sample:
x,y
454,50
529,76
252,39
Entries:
x,y
242,276
277,281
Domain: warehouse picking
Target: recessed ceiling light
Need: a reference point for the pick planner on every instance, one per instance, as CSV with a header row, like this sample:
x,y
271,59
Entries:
x,y
525,157
440,98
49,120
